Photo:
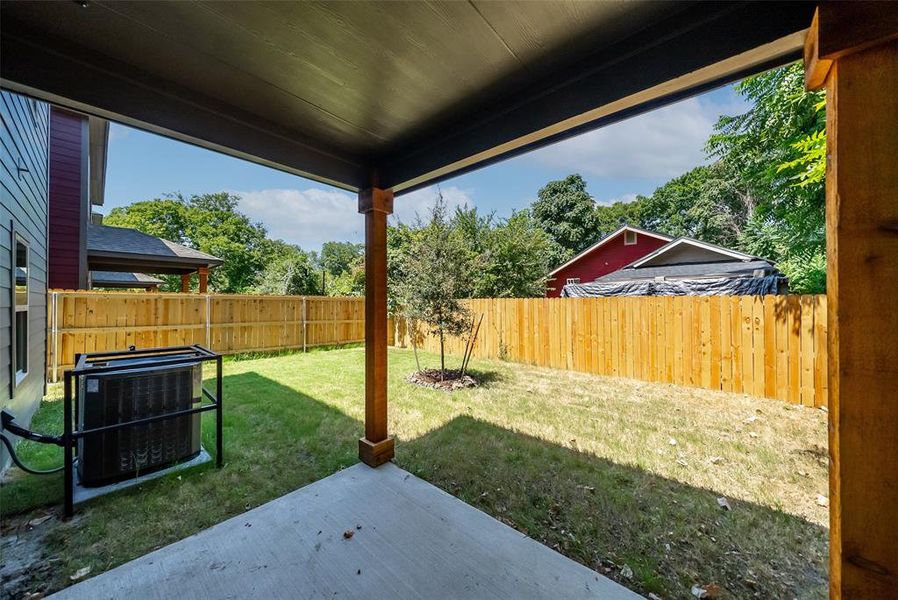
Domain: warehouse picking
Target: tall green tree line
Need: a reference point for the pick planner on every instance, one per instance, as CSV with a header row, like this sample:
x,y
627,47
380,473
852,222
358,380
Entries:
x,y
763,191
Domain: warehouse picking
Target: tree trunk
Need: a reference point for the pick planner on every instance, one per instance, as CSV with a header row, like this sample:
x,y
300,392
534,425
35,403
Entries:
x,y
442,356
411,325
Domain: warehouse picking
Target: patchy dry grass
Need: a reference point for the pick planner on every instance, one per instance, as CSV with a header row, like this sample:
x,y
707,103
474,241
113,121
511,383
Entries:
x,y
586,464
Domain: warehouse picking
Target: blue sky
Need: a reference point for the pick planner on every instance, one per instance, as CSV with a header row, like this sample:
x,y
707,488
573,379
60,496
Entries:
x,y
631,157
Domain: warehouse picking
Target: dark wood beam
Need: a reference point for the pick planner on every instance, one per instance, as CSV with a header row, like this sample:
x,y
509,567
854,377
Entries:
x,y
862,282
185,283
376,447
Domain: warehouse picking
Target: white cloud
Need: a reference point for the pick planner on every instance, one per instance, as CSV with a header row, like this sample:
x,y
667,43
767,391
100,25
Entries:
x,y
305,217
408,206
313,216
657,145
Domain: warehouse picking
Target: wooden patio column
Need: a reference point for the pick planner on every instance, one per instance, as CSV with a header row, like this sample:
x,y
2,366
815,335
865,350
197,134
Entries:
x,y
376,447
185,283
852,50
203,273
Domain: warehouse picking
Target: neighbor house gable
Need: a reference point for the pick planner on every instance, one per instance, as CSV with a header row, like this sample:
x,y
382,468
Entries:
x,y
607,239
689,251
612,252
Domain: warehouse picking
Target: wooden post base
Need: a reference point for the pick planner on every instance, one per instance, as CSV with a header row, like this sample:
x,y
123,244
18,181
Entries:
x,y
375,454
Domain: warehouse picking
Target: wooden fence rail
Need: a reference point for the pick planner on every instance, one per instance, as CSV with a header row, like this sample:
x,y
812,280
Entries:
x,y
770,346
86,321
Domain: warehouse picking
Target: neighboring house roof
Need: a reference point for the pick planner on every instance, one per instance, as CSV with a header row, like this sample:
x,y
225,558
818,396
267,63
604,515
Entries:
x,y
690,271
688,258
113,279
724,253
122,249
686,267
608,238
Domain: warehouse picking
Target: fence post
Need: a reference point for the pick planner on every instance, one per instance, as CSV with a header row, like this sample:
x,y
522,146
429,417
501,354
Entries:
x,y
304,324
285,334
54,305
208,323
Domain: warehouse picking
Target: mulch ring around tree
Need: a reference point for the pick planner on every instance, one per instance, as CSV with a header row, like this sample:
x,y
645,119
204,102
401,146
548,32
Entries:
x,y
449,380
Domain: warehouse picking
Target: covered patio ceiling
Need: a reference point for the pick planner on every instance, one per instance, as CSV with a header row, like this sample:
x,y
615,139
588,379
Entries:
x,y
396,95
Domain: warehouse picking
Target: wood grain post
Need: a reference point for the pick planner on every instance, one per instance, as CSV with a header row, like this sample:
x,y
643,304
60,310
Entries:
x,y
185,283
852,49
203,273
376,447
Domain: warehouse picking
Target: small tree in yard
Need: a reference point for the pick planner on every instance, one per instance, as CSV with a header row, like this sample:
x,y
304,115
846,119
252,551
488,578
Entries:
x,y
436,273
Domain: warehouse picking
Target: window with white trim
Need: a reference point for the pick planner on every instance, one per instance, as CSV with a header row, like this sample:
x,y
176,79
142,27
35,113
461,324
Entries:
x,y
629,238
571,280
19,350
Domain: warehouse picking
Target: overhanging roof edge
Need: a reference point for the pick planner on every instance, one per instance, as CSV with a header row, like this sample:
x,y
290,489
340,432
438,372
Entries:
x,y
766,56
32,68
694,50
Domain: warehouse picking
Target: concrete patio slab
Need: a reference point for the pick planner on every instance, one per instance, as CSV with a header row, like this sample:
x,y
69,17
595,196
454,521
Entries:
x,y
406,539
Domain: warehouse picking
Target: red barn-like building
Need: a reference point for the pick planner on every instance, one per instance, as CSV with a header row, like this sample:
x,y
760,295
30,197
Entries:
x,y
612,252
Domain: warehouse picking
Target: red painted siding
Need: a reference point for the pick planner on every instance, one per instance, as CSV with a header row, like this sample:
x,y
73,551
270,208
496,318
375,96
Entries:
x,y
66,201
610,256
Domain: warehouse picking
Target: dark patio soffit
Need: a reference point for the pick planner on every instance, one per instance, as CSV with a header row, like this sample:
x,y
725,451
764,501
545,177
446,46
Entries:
x,y
396,94
128,250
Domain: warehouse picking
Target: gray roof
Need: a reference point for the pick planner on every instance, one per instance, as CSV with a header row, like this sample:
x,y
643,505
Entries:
x,y
693,270
725,252
116,279
110,248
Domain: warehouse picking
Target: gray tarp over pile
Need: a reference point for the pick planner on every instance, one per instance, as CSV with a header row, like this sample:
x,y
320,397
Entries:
x,y
741,286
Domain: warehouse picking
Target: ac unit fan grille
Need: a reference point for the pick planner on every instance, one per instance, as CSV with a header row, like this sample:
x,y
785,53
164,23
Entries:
x,y
121,397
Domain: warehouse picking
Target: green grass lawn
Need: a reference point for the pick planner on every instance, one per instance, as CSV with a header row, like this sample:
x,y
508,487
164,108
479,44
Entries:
x,y
614,473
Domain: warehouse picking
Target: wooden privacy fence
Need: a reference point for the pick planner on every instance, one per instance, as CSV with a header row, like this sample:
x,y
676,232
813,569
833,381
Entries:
x,y
770,346
86,321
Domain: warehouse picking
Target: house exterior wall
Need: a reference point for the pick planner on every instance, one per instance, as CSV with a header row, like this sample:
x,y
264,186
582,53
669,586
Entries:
x,y
24,199
610,256
69,203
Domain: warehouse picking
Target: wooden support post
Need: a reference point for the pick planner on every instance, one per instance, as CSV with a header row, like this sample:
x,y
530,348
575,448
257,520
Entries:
x,y
854,51
203,273
185,283
376,447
